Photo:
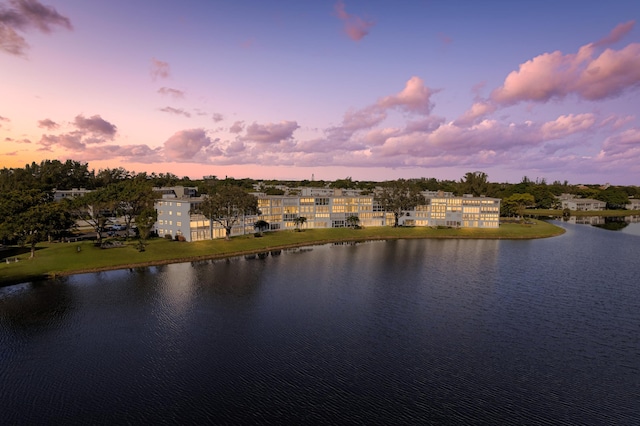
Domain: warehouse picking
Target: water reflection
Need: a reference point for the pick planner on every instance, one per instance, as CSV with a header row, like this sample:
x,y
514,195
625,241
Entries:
x,y
625,224
35,307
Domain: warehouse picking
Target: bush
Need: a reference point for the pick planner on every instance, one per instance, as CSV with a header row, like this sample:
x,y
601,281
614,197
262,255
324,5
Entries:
x,y
168,236
180,238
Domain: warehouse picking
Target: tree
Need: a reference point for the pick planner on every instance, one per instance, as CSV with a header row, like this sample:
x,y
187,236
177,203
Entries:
x,y
474,183
399,196
144,222
261,225
346,183
300,220
94,208
353,221
35,217
131,197
226,205
106,177
615,197
544,197
516,203
42,222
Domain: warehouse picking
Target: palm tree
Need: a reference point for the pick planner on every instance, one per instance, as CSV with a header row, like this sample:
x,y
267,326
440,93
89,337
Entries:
x,y
353,221
300,220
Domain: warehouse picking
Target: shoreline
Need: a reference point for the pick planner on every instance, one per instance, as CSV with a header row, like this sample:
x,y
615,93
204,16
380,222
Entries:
x,y
550,230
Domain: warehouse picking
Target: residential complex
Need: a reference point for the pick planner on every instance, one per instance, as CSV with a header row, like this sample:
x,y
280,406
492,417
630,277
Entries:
x,y
323,208
583,204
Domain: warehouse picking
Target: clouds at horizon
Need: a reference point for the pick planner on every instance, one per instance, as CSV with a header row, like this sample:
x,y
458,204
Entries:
x,y
361,140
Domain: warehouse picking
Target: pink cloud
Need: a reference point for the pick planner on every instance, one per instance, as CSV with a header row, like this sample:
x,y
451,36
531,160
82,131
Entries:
x,y
479,109
566,125
137,153
175,111
616,34
270,132
95,125
24,15
415,97
3,119
237,127
48,124
616,122
621,143
620,152
236,147
610,74
11,42
92,130
427,124
70,141
217,117
363,119
354,26
159,69
185,144
174,93
585,73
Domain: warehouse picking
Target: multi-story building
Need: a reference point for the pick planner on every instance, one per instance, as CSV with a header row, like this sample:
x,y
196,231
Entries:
x,y
444,209
326,209
584,204
61,194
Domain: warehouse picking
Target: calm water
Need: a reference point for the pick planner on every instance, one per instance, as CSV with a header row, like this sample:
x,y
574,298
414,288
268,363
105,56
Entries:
x,y
399,332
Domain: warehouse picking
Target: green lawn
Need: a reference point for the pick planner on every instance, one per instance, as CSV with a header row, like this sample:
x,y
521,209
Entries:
x,y
64,258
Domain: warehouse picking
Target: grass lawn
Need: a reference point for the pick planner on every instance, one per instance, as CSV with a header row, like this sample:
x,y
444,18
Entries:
x,y
53,259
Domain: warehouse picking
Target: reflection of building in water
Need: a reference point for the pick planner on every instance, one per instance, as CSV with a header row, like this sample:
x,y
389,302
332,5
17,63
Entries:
x,y
587,220
632,219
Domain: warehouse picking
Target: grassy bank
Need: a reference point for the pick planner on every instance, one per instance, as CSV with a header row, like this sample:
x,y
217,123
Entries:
x,y
68,258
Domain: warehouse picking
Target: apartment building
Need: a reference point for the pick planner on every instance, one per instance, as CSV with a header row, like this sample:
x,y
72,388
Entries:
x,y
584,204
325,209
460,212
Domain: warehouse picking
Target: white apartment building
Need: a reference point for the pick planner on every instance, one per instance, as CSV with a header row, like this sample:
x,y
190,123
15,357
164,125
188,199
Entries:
x,y
177,216
584,204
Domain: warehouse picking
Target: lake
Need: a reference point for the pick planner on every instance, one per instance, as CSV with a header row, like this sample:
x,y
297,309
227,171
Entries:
x,y
398,332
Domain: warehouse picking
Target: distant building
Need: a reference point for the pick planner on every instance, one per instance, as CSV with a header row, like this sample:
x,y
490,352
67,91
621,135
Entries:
x,y
584,204
61,194
176,191
634,204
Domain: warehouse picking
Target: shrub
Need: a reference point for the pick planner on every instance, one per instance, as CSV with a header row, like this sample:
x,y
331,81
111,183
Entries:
x,y
180,238
168,236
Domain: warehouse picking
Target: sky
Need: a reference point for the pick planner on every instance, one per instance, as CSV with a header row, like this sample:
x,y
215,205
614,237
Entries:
x,y
289,89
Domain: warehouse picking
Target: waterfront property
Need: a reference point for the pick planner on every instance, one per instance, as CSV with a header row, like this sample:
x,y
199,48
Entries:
x,y
634,204
583,204
178,215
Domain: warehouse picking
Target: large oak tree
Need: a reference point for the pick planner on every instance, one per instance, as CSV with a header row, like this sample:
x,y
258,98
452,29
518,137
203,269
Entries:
x,y
226,206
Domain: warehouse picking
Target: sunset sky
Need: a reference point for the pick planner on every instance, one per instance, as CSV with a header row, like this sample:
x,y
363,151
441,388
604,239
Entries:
x,y
291,89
